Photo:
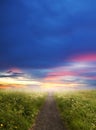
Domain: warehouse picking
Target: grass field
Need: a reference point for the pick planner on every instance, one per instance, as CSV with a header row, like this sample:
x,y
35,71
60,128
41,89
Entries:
x,y
18,110
78,109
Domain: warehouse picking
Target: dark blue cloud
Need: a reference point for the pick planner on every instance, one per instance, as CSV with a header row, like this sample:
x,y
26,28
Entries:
x,y
42,34
11,75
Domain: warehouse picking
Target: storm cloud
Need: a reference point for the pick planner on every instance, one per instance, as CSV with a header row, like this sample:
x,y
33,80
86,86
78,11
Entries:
x,y
43,34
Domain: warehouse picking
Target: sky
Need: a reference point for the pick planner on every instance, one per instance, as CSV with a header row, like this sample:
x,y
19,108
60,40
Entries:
x,y
48,43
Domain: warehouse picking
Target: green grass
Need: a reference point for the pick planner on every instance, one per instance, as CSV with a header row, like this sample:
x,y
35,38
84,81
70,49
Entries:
x,y
78,109
18,110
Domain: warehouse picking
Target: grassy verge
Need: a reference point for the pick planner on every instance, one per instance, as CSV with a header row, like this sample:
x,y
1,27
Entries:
x,y
78,109
19,110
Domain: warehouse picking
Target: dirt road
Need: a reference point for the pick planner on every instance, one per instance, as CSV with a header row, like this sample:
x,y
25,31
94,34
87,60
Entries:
x,y
48,118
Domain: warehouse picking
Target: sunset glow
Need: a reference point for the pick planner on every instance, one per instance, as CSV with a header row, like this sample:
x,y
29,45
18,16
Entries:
x,y
90,57
80,71
48,43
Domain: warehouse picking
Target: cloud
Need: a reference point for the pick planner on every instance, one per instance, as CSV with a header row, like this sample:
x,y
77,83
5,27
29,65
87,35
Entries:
x,y
43,34
11,74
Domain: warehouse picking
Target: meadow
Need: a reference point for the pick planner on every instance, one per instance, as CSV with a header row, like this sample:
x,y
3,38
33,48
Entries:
x,y
78,109
18,110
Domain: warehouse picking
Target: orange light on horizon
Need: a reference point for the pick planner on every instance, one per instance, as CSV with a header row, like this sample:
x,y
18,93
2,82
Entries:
x,y
53,85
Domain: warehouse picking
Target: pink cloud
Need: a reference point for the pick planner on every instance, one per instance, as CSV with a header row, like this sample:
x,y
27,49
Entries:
x,y
84,57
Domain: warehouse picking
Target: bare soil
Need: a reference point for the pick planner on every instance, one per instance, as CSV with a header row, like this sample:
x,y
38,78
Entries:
x,y
49,118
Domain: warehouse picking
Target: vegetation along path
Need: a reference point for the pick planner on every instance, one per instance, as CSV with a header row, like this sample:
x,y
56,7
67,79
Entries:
x,y
48,118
